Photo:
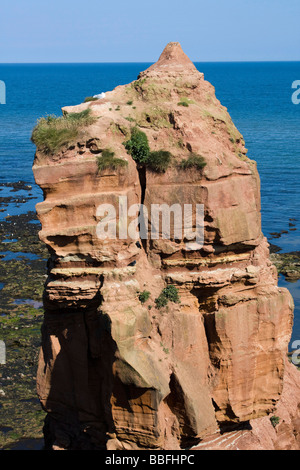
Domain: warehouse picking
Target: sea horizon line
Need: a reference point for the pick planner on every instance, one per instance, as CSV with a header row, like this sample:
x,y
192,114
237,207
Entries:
x,y
147,62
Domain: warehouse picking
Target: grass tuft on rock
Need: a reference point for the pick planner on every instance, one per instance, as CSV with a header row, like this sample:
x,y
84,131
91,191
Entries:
x,y
90,98
184,101
53,132
107,161
159,161
193,161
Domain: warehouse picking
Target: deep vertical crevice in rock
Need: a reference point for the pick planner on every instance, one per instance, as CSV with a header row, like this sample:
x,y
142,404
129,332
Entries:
x,y
108,356
177,402
143,222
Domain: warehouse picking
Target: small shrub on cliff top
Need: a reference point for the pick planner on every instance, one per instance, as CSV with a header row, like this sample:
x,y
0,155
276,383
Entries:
x,y
53,132
107,161
193,161
137,146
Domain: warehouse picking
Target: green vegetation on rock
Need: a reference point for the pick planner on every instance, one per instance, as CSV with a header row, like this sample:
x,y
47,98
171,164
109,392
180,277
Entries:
x,y
90,98
138,147
185,102
107,160
287,264
144,296
155,117
169,293
193,161
274,420
159,161
20,328
53,132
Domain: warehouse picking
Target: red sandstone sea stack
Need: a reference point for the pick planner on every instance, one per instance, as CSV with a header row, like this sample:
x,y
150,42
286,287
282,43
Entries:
x,y
118,372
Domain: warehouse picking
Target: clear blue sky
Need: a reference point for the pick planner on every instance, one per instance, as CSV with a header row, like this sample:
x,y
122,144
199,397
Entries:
x,y
137,30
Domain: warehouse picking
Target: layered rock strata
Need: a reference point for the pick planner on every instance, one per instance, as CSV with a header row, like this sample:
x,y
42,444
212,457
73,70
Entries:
x,y
118,373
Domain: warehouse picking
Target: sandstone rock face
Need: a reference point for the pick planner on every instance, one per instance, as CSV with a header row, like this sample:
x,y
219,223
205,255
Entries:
x,y
261,434
118,373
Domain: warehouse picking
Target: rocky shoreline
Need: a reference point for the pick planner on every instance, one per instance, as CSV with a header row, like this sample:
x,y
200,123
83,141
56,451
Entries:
x,y
287,264
22,274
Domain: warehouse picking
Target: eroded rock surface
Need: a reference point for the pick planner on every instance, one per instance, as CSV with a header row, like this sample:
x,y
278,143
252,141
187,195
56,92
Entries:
x,y
117,373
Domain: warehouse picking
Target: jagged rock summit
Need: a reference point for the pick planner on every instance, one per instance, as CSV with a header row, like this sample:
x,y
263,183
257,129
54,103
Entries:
x,y
151,343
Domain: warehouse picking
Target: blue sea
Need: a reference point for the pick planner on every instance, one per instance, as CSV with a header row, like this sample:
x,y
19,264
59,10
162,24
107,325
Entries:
x,y
257,96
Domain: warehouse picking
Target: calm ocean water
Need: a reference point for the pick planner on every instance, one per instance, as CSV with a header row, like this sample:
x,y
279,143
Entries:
x,y
258,98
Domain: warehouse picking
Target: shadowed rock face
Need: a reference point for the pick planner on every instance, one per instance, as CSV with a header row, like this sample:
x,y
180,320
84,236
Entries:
x,y
117,373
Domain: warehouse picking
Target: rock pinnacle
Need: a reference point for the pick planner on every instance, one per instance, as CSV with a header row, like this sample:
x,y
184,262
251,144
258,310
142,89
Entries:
x,y
173,58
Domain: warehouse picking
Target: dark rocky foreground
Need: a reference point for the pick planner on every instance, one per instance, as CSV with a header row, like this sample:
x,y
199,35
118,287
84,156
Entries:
x,y
22,274
287,264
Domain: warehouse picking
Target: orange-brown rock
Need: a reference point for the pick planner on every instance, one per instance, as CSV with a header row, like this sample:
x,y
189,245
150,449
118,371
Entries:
x,y
261,434
117,373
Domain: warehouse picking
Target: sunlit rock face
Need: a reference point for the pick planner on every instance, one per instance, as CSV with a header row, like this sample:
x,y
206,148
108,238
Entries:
x,y
118,373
